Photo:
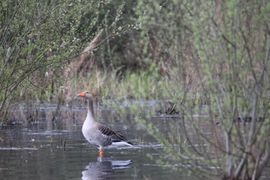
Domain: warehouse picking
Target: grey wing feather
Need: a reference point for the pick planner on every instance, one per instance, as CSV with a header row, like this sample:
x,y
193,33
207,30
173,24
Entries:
x,y
115,136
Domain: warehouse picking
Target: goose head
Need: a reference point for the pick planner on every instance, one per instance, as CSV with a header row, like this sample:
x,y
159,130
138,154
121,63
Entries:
x,y
86,95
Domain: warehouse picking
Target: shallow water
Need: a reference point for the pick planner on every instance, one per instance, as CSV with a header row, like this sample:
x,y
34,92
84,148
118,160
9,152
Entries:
x,y
54,148
44,141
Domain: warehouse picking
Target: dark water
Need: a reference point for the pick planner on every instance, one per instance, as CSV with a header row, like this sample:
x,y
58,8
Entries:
x,y
53,148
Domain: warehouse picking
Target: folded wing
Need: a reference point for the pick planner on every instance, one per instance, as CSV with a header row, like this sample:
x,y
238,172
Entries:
x,y
115,136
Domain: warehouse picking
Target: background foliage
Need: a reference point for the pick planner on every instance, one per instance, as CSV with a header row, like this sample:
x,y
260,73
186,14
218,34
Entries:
x,y
195,53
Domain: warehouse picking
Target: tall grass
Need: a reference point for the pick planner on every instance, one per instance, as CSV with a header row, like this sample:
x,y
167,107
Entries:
x,y
147,84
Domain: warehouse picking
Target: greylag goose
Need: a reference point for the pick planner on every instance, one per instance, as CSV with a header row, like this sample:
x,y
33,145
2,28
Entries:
x,y
97,133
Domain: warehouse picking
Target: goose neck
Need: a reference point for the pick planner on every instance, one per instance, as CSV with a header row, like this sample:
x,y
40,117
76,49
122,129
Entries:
x,y
90,112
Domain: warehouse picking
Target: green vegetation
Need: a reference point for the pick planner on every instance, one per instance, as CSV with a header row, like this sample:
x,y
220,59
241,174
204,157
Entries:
x,y
195,53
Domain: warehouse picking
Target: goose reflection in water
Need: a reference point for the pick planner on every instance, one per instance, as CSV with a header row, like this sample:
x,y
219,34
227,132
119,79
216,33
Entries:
x,y
103,168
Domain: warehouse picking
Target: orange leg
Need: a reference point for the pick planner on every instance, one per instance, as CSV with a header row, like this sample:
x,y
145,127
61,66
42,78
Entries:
x,y
101,152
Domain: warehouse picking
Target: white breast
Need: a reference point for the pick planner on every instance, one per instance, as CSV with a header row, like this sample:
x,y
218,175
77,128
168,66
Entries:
x,y
89,131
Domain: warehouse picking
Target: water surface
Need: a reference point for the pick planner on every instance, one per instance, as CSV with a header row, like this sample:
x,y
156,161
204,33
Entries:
x,y
52,147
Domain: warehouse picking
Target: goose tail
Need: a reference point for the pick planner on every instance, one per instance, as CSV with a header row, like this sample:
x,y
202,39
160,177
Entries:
x,y
122,143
